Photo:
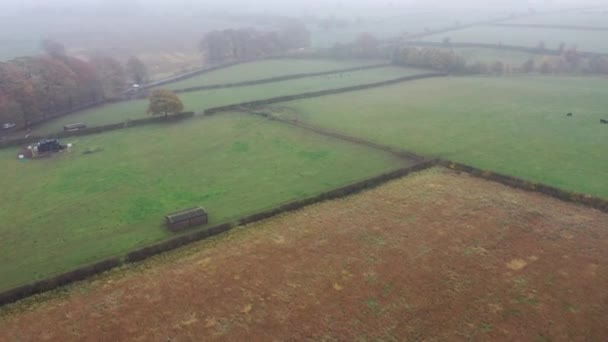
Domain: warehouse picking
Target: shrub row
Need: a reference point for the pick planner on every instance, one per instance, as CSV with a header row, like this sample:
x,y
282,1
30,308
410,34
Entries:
x,y
99,129
279,78
530,50
193,74
279,99
48,284
22,292
337,193
168,245
323,131
562,27
587,200
149,251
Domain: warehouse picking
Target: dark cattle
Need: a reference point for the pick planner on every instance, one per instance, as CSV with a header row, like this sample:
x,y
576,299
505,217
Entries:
x,y
604,121
569,114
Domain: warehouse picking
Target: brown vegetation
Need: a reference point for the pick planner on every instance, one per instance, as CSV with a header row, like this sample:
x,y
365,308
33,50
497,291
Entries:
x,y
434,256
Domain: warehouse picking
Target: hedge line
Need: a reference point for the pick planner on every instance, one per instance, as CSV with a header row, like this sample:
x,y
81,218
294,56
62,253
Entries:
x,y
82,273
320,130
280,78
568,196
168,245
560,27
238,106
48,284
98,129
181,241
530,50
22,292
338,193
193,74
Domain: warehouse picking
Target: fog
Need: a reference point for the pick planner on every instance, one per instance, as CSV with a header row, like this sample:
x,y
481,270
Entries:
x,y
121,28
91,6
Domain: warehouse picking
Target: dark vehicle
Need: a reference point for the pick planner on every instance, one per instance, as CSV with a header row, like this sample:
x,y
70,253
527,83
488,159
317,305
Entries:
x,y
52,145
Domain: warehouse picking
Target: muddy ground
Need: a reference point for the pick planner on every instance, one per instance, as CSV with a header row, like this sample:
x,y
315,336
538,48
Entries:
x,y
435,256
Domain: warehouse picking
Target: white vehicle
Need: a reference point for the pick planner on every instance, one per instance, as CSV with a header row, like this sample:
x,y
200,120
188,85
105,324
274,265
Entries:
x,y
8,125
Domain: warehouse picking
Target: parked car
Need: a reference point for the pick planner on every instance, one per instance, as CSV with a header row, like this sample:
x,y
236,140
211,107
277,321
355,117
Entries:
x,y
8,125
51,145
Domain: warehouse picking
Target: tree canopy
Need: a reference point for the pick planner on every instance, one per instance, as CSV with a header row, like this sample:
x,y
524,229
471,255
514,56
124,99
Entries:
x,y
220,46
164,101
137,71
35,88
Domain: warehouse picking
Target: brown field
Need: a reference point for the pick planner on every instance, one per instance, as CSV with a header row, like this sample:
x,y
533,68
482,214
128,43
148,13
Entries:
x,y
436,256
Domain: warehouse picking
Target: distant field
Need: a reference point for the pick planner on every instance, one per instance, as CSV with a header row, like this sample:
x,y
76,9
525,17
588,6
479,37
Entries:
x,y
513,125
267,69
489,56
200,100
597,18
71,209
520,36
397,23
435,256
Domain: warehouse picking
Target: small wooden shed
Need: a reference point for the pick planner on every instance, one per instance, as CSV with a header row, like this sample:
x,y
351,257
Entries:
x,y
187,219
74,127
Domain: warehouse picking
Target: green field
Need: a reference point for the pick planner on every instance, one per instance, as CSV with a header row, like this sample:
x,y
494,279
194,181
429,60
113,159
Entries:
x,y
592,41
267,69
61,212
200,100
513,125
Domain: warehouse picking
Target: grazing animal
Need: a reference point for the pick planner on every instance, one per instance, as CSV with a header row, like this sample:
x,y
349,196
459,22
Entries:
x,y
569,114
604,121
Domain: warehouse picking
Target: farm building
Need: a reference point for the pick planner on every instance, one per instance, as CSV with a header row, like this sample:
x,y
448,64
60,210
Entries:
x,y
187,219
74,127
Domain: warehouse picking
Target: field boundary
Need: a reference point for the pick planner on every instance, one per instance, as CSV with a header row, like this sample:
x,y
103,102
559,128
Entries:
x,y
195,73
138,122
514,182
88,271
99,129
280,78
85,272
399,153
521,184
240,106
559,27
525,49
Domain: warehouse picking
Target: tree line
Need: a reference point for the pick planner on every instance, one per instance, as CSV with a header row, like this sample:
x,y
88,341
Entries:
x,y
430,58
249,43
35,88
568,62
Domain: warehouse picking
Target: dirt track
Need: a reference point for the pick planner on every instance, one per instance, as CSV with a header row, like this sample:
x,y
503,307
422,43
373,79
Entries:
x,y
434,256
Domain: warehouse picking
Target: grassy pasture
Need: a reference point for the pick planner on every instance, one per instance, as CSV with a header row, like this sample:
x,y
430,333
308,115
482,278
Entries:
x,y
513,125
591,41
200,100
267,69
71,209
